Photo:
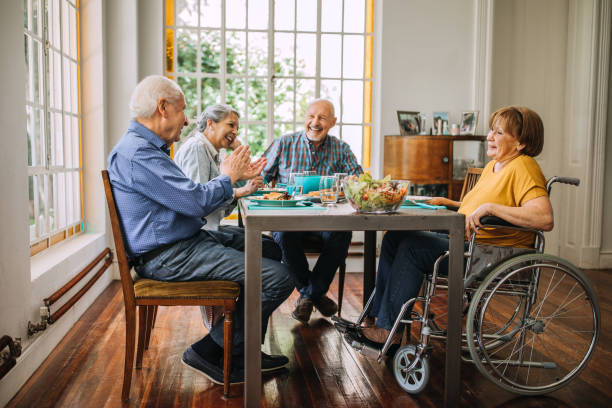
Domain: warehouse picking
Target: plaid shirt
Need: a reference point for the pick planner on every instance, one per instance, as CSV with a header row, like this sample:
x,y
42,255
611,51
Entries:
x,y
295,153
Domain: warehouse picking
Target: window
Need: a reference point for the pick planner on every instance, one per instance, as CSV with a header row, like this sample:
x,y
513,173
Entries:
x,y
269,58
53,120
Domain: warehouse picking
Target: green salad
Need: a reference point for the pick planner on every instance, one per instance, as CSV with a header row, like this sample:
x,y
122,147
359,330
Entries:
x,y
369,195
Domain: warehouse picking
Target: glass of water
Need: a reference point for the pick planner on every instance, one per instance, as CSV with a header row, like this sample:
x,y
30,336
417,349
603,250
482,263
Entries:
x,y
328,190
294,188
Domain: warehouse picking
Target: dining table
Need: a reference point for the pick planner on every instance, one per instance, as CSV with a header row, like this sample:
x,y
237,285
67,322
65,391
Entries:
x,y
343,217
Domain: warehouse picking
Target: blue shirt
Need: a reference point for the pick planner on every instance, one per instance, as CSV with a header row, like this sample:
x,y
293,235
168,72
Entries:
x,y
156,202
295,153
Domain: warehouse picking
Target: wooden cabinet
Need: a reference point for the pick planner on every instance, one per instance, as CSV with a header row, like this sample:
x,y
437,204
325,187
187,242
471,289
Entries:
x,y
424,160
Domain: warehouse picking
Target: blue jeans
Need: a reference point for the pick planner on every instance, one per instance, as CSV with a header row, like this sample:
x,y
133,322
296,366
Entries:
x,y
313,284
209,255
405,258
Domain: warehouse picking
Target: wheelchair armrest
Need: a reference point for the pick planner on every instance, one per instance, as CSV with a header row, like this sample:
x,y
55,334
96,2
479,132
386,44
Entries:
x,y
489,220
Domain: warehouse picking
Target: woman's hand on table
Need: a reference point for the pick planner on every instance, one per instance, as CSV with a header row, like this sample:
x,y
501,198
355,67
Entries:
x,y
251,186
443,201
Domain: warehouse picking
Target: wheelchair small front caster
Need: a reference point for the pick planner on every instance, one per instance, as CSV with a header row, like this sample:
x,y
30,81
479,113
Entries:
x,y
414,381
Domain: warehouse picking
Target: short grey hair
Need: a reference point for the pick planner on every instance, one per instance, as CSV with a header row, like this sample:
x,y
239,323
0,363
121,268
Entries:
x,y
216,113
149,91
327,101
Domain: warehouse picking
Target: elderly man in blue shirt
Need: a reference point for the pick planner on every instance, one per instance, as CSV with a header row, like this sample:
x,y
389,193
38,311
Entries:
x,y
162,212
315,150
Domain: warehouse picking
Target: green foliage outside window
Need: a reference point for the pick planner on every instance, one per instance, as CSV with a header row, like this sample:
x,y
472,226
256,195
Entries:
x,y
237,86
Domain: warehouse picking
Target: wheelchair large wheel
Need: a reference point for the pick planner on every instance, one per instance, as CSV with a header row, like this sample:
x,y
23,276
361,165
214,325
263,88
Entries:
x,y
553,335
413,381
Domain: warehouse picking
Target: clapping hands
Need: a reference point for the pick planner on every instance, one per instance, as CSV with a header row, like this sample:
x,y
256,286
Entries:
x,y
238,166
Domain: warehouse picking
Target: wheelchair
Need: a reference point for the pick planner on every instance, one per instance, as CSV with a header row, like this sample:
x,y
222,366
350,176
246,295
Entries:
x,y
531,320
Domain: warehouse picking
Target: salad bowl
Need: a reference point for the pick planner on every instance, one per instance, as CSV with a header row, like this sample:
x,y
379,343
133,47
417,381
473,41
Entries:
x,y
371,196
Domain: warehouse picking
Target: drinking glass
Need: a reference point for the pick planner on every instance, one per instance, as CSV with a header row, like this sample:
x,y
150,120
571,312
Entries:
x,y
294,188
328,189
340,179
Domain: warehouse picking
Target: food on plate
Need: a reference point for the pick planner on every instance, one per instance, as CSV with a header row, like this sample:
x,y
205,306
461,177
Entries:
x,y
314,194
277,196
378,196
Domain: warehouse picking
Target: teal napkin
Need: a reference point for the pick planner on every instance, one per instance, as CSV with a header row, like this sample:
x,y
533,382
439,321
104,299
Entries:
x,y
423,206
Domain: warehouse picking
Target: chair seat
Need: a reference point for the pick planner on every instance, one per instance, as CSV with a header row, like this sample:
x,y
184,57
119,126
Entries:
x,y
152,289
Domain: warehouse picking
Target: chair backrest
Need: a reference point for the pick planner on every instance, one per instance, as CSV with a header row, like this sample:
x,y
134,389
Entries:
x,y
471,178
124,268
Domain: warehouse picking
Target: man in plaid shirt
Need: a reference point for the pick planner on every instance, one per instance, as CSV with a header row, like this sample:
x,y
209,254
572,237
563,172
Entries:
x,y
312,149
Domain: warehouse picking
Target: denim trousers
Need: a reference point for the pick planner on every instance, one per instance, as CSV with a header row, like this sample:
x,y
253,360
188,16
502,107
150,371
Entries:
x,y
405,258
313,284
210,255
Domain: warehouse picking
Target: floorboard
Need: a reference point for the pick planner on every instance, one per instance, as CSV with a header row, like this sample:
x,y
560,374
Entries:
x,y
85,370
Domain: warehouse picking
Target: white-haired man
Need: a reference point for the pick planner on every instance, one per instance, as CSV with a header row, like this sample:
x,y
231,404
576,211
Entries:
x,y
312,149
162,212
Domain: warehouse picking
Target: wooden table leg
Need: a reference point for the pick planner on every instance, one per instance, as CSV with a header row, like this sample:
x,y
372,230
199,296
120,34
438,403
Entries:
x,y
452,377
369,264
252,319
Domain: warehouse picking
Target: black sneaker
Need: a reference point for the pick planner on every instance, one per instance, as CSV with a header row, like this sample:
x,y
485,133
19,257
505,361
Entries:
x,y
210,370
268,362
272,362
325,305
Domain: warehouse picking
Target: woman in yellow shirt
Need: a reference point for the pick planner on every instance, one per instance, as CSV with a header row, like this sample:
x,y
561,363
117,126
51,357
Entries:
x,y
511,187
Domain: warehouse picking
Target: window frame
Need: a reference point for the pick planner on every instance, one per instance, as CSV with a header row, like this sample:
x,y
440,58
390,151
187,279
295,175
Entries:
x,y
44,171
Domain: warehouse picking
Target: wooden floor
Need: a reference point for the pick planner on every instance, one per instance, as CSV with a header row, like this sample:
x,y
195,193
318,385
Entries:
x,y
85,370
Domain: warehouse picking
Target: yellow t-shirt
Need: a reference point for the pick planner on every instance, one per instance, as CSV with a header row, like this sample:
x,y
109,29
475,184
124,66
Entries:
x,y
516,183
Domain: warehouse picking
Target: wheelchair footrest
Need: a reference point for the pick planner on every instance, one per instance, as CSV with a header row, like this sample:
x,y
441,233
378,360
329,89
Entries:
x,y
365,346
342,324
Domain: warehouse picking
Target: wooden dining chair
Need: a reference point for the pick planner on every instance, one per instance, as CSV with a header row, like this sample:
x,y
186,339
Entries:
x,y
147,295
471,178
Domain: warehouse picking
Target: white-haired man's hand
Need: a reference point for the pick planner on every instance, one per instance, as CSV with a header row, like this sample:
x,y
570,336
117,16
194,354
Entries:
x,y
236,164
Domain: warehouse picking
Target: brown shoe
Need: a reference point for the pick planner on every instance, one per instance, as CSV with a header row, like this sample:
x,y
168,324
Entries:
x,y
303,310
379,335
369,321
326,306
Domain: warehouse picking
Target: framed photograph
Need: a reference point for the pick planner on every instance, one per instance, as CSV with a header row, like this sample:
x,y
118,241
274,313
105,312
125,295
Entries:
x,y
440,123
469,120
409,122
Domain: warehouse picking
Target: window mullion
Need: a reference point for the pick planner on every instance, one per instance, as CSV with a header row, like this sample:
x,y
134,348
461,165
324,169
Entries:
x,y
223,65
294,62
341,102
318,52
198,65
271,74
45,116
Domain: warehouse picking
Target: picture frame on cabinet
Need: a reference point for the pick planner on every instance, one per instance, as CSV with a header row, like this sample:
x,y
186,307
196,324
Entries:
x,y
409,122
469,120
440,123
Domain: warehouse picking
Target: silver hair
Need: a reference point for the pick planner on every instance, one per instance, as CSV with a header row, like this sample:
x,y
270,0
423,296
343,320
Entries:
x,y
333,110
216,113
149,91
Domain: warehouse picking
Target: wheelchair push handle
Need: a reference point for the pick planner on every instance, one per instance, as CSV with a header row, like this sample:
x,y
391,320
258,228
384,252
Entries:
x,y
565,180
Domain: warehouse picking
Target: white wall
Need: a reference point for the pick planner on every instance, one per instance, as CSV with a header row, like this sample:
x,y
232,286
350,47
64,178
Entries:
x,y
427,62
528,69
606,239
25,281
